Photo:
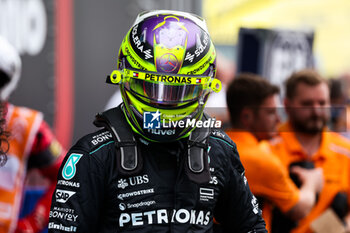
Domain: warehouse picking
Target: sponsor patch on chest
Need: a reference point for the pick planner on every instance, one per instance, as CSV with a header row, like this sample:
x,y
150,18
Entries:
x,y
101,138
164,216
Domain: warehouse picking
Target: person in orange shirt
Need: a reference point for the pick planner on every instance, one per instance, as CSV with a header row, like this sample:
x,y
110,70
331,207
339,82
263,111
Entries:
x,y
31,145
304,139
252,103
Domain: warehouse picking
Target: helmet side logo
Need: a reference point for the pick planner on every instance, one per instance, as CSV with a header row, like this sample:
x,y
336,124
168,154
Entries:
x,y
139,42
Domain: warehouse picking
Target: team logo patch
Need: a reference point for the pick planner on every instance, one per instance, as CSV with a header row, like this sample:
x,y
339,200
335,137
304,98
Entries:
x,y
69,168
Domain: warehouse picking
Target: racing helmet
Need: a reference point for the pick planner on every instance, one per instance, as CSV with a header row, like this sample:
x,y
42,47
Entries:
x,y
10,68
166,71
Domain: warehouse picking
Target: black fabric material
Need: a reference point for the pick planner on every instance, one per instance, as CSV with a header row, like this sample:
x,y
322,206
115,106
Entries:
x,y
339,204
197,167
162,198
129,157
280,222
130,163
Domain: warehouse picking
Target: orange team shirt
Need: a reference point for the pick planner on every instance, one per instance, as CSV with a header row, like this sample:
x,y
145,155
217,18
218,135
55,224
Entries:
x,y
265,173
23,124
332,156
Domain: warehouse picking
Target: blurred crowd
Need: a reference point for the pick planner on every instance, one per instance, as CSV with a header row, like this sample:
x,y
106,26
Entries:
x,y
299,169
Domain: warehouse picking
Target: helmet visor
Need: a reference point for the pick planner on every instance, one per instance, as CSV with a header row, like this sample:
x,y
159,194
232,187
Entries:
x,y
165,88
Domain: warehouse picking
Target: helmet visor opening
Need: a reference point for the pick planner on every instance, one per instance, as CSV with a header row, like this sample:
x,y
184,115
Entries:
x,y
4,78
164,93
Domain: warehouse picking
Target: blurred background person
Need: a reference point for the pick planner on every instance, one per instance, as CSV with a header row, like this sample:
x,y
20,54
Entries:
x,y
304,141
339,105
253,104
4,145
31,145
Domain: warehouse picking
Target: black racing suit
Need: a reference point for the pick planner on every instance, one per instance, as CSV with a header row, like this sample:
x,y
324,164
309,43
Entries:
x,y
92,197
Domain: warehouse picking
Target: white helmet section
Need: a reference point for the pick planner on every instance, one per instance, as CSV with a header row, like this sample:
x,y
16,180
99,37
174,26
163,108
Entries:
x,y
10,63
198,20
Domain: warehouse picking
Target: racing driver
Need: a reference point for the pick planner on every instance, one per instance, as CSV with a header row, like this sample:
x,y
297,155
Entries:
x,y
159,164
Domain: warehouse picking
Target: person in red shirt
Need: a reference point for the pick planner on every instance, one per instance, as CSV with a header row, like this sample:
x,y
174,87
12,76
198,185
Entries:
x,y
252,103
305,139
31,145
